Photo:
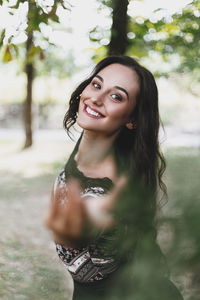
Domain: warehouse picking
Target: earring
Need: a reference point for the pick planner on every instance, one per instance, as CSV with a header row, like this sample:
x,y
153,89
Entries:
x,y
131,125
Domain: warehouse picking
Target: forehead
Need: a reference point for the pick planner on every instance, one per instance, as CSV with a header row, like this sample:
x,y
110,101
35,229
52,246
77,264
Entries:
x,y
120,75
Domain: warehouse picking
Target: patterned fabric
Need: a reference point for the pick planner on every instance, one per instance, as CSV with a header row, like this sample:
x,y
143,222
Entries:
x,y
96,261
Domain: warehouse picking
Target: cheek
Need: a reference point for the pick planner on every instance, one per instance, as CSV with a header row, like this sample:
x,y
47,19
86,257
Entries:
x,y
83,97
121,112
85,93
81,100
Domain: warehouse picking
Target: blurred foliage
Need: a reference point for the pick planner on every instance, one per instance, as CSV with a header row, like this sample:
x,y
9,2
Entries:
x,y
146,271
42,50
183,168
178,34
173,37
183,217
56,65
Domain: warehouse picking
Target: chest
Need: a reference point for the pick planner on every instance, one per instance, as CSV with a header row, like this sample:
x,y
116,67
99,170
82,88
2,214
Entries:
x,y
100,170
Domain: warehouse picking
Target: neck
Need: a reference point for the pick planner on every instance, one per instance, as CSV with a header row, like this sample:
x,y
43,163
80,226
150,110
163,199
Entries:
x,y
94,149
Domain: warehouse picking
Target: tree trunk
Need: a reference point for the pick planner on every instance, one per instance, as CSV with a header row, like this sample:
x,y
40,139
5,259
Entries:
x,y
119,41
28,102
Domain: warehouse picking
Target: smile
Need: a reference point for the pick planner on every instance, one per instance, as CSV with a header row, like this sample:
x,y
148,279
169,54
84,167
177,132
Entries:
x,y
92,113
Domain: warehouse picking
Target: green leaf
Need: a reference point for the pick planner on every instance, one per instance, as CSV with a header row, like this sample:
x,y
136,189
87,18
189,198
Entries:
x,y
55,18
7,56
17,4
2,37
33,51
15,48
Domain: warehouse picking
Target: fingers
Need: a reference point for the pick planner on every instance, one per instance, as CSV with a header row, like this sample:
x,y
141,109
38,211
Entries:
x,y
63,200
71,216
54,206
74,191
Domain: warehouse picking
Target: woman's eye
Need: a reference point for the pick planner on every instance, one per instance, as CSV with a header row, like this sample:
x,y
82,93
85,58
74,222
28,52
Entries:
x,y
96,85
116,97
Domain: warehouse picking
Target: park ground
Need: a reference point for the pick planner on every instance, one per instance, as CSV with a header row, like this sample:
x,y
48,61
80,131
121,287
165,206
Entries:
x,y
29,267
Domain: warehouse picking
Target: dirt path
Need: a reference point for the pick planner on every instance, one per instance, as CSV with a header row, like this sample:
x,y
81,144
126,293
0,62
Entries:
x,y
29,267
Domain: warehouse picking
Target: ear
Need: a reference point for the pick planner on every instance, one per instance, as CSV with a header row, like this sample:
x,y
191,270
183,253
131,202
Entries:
x,y
131,125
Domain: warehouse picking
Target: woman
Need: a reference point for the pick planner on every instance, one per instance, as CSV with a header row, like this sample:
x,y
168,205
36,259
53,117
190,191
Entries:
x,y
116,158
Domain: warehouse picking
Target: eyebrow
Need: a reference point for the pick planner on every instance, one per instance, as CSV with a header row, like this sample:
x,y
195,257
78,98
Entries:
x,y
117,87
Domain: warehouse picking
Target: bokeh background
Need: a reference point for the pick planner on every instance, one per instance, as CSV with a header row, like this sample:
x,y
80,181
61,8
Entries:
x,y
46,48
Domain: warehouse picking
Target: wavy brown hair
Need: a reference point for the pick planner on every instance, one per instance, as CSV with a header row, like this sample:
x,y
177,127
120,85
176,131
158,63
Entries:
x,y
135,150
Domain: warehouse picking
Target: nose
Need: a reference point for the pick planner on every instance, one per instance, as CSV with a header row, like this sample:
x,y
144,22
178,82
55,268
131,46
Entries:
x,y
97,100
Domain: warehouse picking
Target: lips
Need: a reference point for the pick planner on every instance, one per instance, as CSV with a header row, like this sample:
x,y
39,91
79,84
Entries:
x,y
93,113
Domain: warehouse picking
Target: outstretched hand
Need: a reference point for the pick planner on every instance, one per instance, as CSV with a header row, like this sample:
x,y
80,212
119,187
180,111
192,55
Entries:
x,y
68,221
99,211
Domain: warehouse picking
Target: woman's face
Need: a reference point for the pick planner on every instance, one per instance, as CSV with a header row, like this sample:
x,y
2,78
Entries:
x,y
107,103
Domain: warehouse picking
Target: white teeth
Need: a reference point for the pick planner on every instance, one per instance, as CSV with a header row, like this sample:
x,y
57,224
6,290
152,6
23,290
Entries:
x,y
92,112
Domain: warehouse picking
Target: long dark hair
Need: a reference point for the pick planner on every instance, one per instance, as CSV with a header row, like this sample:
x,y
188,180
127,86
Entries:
x,y
136,150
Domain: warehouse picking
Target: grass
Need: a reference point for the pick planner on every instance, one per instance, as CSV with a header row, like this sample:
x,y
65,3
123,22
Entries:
x,y
183,213
29,267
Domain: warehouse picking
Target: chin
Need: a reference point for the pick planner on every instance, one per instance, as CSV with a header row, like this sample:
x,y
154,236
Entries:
x,y
84,125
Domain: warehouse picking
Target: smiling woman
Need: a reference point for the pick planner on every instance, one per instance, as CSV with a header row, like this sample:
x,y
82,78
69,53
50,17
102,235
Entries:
x,y
116,158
